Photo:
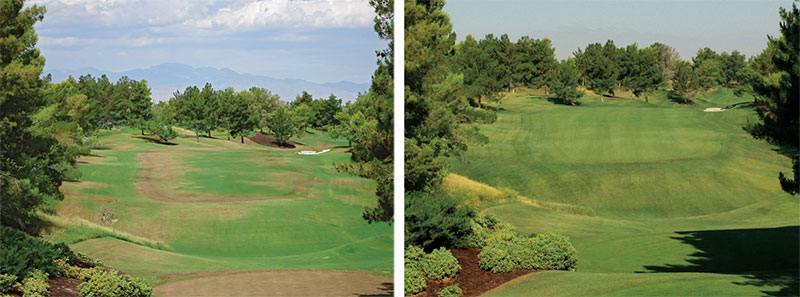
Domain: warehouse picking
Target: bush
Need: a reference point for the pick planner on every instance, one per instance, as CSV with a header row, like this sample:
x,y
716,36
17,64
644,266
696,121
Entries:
x,y
9,283
414,282
35,284
495,260
506,251
440,264
451,291
437,220
101,283
21,254
554,252
484,227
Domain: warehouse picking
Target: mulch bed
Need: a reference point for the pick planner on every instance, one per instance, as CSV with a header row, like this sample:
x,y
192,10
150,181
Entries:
x,y
62,286
268,140
472,280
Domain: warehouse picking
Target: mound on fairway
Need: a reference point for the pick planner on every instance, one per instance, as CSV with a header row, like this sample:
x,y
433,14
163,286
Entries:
x,y
685,202
219,205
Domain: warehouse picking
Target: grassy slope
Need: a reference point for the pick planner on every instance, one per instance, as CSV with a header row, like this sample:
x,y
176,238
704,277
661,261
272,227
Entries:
x,y
309,219
665,181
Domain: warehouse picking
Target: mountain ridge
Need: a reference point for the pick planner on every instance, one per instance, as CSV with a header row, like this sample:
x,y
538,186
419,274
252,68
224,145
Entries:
x,y
166,78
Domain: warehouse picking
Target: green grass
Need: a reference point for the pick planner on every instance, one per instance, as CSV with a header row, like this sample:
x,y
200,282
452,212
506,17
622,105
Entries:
x,y
264,208
686,202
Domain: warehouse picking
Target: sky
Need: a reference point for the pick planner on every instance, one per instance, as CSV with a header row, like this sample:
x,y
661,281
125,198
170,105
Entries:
x,y
315,40
687,26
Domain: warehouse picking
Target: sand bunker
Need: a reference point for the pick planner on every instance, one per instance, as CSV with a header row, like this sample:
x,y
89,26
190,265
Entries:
x,y
313,152
714,109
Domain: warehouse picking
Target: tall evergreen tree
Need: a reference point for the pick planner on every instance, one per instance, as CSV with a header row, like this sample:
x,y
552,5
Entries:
x,y
32,166
369,122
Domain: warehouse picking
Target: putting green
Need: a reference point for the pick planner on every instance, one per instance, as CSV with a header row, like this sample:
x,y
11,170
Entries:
x,y
218,205
686,202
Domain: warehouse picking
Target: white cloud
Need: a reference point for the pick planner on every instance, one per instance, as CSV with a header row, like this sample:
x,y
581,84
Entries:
x,y
290,13
58,41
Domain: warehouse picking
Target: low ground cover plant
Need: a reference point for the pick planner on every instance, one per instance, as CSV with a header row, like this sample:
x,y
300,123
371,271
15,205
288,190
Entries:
x,y
505,250
451,291
26,263
437,265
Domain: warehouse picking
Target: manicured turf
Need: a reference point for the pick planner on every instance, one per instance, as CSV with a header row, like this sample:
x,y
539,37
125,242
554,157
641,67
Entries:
x,y
685,201
221,205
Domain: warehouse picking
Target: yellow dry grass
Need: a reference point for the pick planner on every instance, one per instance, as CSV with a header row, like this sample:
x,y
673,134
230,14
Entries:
x,y
476,193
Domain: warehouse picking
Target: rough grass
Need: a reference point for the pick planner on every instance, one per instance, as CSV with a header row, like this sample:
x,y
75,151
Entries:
x,y
686,202
231,206
478,194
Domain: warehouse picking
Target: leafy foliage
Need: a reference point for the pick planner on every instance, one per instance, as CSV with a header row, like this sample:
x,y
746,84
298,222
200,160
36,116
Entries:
x,y
282,126
506,250
437,222
439,264
164,132
368,124
451,291
35,284
101,283
32,164
8,283
564,81
20,254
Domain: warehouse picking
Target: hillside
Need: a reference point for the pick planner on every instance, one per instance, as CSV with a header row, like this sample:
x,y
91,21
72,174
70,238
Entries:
x,y
684,201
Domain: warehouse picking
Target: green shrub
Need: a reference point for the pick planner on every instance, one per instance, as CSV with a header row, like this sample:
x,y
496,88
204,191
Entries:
x,y
506,251
485,227
109,285
9,283
35,284
554,252
20,254
437,220
414,282
495,260
439,264
414,256
451,291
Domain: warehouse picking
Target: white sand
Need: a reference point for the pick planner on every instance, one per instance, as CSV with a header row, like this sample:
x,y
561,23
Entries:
x,y
313,152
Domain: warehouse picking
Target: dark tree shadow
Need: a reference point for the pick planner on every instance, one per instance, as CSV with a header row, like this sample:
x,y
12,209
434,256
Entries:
x,y
155,140
678,98
387,288
556,100
767,256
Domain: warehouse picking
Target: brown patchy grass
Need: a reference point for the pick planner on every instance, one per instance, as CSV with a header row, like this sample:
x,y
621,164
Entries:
x,y
278,283
159,171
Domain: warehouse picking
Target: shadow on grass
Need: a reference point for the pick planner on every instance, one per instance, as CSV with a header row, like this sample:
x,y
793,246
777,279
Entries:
x,y
556,100
767,256
387,288
155,140
678,98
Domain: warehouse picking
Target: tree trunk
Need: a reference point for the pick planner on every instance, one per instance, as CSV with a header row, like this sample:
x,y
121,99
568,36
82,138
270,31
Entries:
x,y
242,138
197,134
645,99
229,137
209,133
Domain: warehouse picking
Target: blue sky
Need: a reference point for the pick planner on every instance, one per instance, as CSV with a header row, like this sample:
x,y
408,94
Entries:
x,y
684,25
315,40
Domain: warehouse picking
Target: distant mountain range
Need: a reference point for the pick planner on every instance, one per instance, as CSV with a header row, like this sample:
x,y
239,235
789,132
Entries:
x,y
165,79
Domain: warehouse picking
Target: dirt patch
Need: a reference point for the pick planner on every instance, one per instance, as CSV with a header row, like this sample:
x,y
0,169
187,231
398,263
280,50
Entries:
x,y
280,283
472,280
63,286
268,140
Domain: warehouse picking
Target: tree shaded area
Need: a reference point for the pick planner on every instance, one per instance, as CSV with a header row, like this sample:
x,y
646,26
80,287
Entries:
x,y
766,256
